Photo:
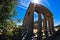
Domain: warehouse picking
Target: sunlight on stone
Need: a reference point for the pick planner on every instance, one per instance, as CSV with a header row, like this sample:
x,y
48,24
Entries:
x,y
35,31
56,29
35,1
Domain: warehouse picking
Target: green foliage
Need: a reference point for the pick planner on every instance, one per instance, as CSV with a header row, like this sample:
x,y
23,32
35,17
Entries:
x,y
6,6
8,25
11,29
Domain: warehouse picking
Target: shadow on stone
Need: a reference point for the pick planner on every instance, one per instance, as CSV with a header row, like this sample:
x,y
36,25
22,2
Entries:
x,y
55,36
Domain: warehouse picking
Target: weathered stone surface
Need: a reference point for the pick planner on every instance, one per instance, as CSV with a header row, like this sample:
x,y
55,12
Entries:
x,y
45,26
28,22
55,36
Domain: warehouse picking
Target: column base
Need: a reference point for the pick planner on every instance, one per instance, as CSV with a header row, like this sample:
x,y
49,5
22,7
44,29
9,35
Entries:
x,y
29,35
46,33
53,31
39,37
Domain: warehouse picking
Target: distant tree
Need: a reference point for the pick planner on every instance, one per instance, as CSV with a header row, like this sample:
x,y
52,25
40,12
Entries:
x,y
6,6
7,12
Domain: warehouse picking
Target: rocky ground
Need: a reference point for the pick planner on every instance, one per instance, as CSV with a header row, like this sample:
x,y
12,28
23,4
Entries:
x,y
55,36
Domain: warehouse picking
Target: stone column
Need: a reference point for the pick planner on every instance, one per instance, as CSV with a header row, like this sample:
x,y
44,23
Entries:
x,y
39,27
49,26
45,26
52,25
31,17
29,22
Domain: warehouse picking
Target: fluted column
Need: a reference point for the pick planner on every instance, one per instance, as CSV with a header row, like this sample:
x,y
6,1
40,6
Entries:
x,y
52,25
31,17
39,23
40,27
45,26
29,21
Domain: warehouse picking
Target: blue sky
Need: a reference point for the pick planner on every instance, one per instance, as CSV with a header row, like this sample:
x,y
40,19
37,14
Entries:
x,y
52,5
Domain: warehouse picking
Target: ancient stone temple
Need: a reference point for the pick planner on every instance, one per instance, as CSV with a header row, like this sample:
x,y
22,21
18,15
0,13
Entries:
x,y
28,22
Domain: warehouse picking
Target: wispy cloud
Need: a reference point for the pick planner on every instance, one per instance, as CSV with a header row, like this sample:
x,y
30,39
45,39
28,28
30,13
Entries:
x,y
46,2
25,3
22,7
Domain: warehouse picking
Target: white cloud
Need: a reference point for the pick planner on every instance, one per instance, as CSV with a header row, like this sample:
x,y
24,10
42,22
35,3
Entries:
x,y
22,7
21,23
24,3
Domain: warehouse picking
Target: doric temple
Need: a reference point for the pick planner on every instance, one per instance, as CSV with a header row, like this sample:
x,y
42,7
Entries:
x,y
28,22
